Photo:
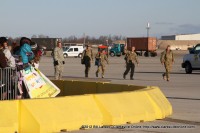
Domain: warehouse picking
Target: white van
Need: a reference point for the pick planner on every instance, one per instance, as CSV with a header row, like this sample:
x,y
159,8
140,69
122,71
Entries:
x,y
73,51
191,61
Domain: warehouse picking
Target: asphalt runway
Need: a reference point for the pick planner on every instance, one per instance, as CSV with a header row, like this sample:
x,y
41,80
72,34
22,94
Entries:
x,y
183,90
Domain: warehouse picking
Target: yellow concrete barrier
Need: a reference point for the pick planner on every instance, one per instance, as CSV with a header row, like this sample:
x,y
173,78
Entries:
x,y
132,107
71,87
111,88
52,115
9,121
92,103
161,105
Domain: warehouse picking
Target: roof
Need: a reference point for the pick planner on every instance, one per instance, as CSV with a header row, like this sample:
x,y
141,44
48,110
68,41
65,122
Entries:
x,y
102,46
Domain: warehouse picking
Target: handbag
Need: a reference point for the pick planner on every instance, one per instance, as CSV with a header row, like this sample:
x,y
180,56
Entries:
x,y
55,63
82,61
97,62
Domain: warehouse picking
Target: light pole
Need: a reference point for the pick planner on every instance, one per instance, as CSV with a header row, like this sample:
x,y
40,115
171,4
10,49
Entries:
x,y
148,28
107,42
84,39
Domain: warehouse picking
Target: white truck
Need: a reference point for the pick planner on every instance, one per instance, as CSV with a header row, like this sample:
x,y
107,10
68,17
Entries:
x,y
73,51
191,61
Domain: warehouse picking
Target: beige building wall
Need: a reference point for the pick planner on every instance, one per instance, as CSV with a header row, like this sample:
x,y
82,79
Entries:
x,y
177,44
188,37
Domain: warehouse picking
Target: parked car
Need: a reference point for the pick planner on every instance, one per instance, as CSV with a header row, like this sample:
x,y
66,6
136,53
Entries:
x,y
73,51
191,61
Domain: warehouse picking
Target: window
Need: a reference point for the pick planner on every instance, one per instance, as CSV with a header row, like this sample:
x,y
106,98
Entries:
x,y
65,48
70,50
75,49
197,50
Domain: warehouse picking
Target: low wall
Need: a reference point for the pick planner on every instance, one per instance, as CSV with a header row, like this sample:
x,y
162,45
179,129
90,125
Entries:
x,y
84,105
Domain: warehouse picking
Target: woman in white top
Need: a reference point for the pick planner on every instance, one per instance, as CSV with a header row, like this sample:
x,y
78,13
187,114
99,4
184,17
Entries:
x,y
6,51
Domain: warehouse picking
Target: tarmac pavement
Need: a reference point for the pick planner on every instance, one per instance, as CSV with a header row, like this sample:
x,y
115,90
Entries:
x,y
183,91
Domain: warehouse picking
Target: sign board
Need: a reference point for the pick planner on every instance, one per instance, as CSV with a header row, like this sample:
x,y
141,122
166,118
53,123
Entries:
x,y
38,85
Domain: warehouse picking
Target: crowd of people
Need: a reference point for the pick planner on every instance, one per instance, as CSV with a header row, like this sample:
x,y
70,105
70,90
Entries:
x,y
26,54
14,58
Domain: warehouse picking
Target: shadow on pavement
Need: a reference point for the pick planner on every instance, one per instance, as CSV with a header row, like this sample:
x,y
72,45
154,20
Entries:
x,y
183,98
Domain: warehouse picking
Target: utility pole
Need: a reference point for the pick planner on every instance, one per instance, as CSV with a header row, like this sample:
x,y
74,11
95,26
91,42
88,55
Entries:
x,y
84,39
148,28
107,42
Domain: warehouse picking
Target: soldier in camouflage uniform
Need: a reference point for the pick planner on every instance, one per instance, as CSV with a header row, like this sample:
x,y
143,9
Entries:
x,y
87,58
58,61
131,59
101,60
167,59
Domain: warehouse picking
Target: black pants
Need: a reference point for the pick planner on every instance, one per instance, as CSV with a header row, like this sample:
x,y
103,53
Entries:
x,y
130,66
87,67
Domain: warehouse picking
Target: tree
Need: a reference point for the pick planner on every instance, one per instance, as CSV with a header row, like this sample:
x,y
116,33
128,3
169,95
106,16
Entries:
x,y
34,36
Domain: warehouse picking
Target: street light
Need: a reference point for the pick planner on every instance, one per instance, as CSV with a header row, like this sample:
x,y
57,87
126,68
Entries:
x,y
148,28
107,42
84,39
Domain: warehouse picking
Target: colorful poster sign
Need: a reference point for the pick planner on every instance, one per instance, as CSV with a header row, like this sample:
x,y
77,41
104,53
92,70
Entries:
x,y
38,85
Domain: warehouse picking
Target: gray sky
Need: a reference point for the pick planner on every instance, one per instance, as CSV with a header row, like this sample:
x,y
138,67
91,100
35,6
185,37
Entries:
x,y
62,18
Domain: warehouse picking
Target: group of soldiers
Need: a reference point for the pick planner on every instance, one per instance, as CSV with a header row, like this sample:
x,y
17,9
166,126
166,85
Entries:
x,y
101,59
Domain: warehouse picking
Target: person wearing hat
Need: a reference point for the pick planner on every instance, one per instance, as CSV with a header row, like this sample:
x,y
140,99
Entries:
x,y
6,51
167,59
59,61
87,58
101,60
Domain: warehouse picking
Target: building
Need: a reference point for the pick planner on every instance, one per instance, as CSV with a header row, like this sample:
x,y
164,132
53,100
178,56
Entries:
x,y
47,43
73,44
182,37
119,42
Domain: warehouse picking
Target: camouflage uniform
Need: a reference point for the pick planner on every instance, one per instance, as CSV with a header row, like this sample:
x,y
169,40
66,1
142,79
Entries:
x,y
58,62
101,59
87,56
131,58
167,58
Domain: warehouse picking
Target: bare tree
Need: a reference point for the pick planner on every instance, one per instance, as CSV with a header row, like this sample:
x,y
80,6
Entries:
x,y
34,36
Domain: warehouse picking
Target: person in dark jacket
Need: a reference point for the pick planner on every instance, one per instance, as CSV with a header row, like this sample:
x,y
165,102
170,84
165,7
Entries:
x,y
3,64
3,61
